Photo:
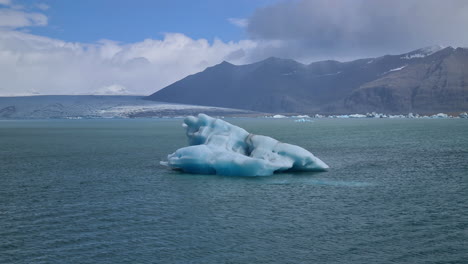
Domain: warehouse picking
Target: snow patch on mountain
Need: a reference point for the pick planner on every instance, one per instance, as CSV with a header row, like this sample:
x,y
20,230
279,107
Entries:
x,y
421,53
398,69
395,69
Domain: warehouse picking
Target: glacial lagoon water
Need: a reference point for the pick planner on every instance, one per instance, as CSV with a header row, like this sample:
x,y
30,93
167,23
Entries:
x,y
92,191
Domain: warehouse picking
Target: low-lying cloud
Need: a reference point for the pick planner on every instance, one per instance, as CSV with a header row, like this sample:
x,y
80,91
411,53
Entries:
x,y
31,64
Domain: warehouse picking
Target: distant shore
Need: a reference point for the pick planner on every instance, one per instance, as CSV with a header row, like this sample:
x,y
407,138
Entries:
x,y
100,106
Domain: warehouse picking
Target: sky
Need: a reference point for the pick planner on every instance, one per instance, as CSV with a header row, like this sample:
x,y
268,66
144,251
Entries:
x,y
141,46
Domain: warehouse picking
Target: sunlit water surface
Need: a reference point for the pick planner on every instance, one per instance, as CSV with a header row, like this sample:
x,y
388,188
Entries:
x,y
92,191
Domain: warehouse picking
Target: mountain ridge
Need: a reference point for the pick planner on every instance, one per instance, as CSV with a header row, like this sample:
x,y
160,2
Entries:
x,y
426,80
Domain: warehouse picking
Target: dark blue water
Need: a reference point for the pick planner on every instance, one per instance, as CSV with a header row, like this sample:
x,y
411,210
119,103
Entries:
x,y
92,191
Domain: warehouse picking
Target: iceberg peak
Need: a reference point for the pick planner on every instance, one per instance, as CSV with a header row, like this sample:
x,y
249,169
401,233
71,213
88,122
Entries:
x,y
218,147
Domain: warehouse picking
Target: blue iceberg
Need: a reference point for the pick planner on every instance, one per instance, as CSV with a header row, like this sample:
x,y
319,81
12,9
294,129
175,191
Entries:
x,y
218,147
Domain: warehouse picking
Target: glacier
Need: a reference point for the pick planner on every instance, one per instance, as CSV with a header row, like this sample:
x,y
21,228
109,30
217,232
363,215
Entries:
x,y
218,147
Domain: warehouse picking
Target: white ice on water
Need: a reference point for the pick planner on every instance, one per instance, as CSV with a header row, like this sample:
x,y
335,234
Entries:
x,y
218,147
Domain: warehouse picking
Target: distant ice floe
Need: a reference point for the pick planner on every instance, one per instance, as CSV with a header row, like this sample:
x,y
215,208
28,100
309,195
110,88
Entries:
x,y
218,147
303,120
307,118
440,115
381,115
279,116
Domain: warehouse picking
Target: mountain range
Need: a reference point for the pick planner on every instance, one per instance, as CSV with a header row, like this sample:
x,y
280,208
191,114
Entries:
x,y
428,80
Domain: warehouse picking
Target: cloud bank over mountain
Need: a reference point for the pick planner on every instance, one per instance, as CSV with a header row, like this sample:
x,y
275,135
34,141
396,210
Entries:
x,y
358,28
31,64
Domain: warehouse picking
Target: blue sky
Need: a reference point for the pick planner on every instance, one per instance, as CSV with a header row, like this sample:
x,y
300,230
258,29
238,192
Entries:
x,y
130,21
141,46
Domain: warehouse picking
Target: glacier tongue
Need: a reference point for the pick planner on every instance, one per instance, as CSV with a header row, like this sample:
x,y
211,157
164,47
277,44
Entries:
x,y
218,147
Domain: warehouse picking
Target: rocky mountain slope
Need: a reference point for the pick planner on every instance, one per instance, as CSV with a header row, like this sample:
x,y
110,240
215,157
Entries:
x,y
427,80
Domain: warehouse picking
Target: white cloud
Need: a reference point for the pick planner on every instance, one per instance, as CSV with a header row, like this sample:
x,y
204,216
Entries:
x,y
10,4
5,2
10,18
113,89
239,22
42,6
50,66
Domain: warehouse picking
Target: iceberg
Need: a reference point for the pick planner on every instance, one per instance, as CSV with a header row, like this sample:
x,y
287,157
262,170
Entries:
x,y
440,115
218,147
303,120
279,116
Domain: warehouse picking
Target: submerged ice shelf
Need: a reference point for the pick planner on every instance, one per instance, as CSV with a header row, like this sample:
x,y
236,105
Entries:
x,y
218,147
